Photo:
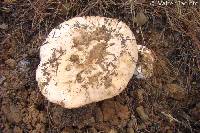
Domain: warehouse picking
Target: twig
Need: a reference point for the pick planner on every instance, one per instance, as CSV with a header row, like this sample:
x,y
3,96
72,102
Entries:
x,y
171,118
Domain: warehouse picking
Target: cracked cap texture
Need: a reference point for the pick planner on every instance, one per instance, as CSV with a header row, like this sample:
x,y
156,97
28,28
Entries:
x,y
85,60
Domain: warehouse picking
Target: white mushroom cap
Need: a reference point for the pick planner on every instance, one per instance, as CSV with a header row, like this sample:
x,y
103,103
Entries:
x,y
85,60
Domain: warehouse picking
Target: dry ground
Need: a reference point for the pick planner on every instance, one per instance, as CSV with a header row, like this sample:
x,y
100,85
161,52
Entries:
x,y
167,102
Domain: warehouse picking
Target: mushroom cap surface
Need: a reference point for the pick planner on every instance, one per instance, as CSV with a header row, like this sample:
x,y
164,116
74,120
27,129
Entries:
x,y
85,60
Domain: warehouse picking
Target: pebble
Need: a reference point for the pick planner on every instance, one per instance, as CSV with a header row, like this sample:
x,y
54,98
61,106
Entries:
x,y
141,18
23,65
2,79
141,113
122,111
3,26
113,111
145,64
11,63
108,110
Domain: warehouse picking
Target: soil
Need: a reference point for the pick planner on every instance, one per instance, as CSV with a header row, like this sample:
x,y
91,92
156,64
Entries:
x,y
169,101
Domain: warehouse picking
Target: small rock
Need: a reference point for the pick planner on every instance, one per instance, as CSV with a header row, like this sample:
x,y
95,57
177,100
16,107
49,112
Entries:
x,y
3,26
130,130
11,63
114,111
110,113
140,19
108,110
122,111
141,113
17,130
23,65
175,91
2,79
145,65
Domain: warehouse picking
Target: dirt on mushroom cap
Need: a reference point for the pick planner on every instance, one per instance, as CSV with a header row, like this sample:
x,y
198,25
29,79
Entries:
x,y
85,60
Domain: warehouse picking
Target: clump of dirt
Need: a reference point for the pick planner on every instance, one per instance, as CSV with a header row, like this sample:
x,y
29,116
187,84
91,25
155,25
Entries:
x,y
167,102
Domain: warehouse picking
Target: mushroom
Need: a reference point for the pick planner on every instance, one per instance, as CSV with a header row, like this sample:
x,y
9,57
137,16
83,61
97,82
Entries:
x,y
146,59
85,60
